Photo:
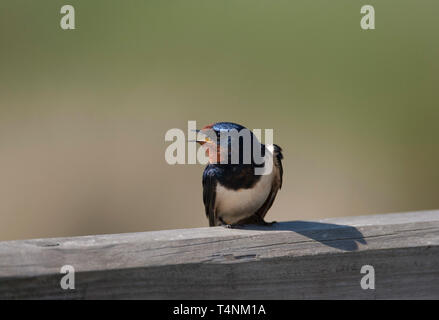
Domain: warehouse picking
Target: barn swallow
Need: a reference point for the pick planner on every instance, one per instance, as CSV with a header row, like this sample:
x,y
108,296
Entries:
x,y
233,194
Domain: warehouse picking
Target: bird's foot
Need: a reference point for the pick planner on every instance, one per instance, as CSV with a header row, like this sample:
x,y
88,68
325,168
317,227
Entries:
x,y
225,224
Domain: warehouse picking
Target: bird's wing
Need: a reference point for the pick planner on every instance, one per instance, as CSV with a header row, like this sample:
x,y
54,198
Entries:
x,y
268,203
209,195
278,162
277,182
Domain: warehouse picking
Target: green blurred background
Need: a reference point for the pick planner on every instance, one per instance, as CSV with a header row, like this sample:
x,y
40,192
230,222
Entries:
x,y
83,113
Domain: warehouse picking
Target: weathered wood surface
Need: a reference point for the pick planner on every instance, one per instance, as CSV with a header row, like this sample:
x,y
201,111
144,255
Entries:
x,y
300,259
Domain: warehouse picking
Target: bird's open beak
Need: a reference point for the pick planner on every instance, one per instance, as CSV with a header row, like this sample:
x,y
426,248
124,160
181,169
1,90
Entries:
x,y
198,139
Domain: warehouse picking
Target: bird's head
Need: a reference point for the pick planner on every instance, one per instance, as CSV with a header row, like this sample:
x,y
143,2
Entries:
x,y
221,139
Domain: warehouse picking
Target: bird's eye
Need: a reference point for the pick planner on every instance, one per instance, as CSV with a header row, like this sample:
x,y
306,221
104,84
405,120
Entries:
x,y
207,139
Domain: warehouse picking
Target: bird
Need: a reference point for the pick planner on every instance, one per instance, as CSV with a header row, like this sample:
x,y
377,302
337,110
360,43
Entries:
x,y
233,193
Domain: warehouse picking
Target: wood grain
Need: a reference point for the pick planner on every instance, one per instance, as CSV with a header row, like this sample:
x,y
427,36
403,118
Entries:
x,y
290,260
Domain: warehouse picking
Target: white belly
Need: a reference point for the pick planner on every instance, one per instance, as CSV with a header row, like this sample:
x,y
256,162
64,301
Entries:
x,y
235,205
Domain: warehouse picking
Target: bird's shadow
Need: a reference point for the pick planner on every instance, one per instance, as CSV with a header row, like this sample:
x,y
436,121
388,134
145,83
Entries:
x,y
333,235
